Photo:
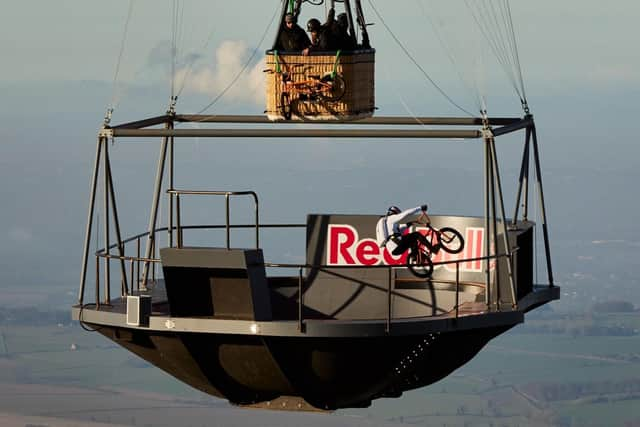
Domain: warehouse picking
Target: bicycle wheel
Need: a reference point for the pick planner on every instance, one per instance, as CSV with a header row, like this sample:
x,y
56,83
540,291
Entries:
x,y
285,105
420,264
337,90
451,240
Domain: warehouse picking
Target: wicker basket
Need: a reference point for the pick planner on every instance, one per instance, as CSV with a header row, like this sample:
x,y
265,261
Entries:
x,y
355,68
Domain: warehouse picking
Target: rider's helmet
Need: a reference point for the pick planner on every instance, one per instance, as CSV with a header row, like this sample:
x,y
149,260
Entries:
x,y
343,21
313,26
393,210
289,18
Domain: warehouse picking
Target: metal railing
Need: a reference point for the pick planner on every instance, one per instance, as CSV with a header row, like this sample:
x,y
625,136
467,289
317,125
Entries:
x,y
227,195
390,268
136,260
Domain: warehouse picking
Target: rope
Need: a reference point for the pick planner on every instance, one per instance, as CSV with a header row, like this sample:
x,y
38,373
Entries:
x,y
424,73
118,63
237,77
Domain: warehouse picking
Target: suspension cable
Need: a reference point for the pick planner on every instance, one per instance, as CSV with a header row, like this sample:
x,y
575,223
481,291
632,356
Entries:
x,y
494,19
192,62
114,99
485,22
422,70
246,64
175,24
173,44
517,57
450,54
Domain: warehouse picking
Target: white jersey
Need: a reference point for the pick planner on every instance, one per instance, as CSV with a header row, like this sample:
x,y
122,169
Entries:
x,y
389,225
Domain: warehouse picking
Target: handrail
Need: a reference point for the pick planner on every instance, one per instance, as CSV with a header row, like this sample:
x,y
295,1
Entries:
x,y
301,320
108,256
226,195
201,227
102,254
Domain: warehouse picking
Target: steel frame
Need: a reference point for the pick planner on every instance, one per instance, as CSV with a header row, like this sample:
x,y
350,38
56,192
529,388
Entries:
x,y
372,128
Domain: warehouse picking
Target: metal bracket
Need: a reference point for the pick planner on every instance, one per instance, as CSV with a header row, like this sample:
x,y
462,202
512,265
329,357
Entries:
x,y
106,133
487,133
107,117
172,106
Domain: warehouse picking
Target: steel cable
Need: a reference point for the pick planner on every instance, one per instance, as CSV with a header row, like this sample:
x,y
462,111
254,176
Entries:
x,y
450,54
191,63
496,25
422,70
246,64
114,99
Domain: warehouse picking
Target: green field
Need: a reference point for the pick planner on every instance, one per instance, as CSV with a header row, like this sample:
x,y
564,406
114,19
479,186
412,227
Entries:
x,y
490,390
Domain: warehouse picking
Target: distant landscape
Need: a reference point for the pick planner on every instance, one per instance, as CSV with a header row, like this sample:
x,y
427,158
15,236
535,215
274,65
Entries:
x,y
574,362
561,368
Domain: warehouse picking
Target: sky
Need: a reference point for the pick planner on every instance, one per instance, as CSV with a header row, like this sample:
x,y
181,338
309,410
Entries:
x,y
58,60
57,80
571,42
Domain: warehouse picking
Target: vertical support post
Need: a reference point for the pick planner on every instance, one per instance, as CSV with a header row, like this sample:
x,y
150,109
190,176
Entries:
x,y
179,230
545,231
352,27
226,199
487,243
87,238
123,273
523,182
494,225
363,25
284,10
153,264
257,223
97,281
300,302
131,264
171,183
107,240
116,222
457,289
138,267
389,278
154,208
505,234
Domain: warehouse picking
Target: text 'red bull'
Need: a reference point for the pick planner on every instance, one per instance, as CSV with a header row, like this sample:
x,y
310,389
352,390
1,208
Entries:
x,y
344,247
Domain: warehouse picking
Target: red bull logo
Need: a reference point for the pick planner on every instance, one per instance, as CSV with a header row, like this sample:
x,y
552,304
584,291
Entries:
x,y
344,247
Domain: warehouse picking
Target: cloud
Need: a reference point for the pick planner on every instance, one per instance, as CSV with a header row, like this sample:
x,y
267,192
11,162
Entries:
x,y
609,242
209,74
613,73
20,235
159,56
212,78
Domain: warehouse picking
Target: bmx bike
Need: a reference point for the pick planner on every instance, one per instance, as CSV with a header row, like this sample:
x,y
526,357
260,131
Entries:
x,y
419,259
329,87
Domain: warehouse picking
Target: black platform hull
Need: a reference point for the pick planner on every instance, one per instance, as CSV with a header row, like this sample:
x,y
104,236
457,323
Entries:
x,y
327,373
